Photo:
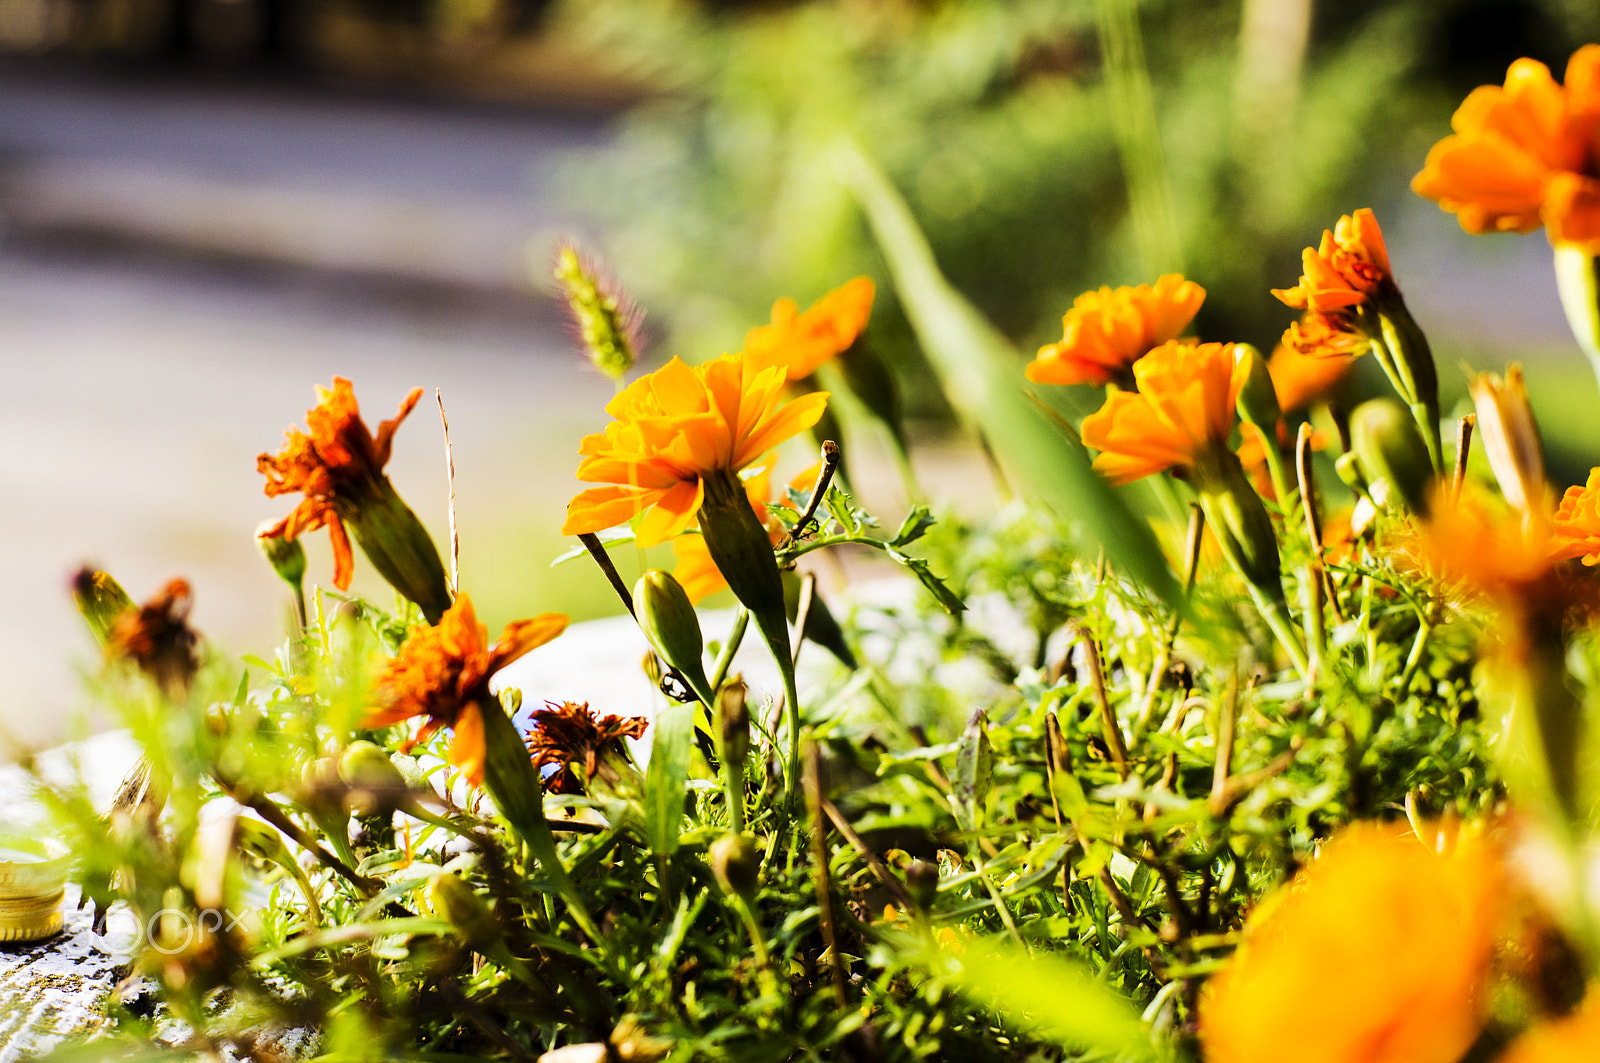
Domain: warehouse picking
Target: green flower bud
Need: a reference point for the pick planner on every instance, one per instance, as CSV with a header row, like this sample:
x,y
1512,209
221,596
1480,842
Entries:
x,y
733,719
922,882
453,900
1258,398
376,785
742,552
1239,521
259,839
1391,454
286,556
736,862
672,626
100,600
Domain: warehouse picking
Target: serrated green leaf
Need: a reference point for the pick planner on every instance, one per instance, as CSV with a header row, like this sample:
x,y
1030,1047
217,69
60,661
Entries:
x,y
914,527
982,377
948,600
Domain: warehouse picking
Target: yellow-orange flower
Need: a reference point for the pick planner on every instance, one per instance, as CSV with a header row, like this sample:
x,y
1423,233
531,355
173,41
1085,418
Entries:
x,y
442,673
1565,1040
1107,331
334,466
1576,529
802,342
675,426
1182,410
1377,953
1350,268
1300,379
1524,154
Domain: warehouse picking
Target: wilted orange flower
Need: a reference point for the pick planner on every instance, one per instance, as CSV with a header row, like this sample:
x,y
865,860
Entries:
x,y
1524,154
334,466
157,637
1183,409
1300,380
1107,331
1576,528
673,427
1378,952
1351,267
1564,1040
801,342
695,571
442,672
569,733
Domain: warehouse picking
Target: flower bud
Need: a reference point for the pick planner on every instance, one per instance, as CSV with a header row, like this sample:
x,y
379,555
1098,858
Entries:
x,y
259,839
398,546
1239,521
672,626
1391,452
286,556
922,882
100,600
606,321
1511,438
737,864
742,551
1258,397
453,900
376,785
733,719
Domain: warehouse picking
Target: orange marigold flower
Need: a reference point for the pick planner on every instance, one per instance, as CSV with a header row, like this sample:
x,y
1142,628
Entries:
x,y
1576,528
672,428
1379,951
157,637
571,734
442,673
1183,410
1524,154
802,342
1574,1037
1301,380
1351,267
1107,331
335,466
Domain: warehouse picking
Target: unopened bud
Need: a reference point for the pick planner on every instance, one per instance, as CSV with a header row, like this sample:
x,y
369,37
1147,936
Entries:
x,y
453,900
1258,397
737,864
376,785
741,548
1390,451
922,882
606,321
100,600
1511,438
733,718
671,624
259,839
286,556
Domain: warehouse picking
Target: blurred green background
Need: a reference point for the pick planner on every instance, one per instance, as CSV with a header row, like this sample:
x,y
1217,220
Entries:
x,y
211,205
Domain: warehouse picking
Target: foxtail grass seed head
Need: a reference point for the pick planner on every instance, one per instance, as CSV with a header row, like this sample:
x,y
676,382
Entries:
x,y
1510,437
286,556
736,862
670,623
100,601
604,318
1258,398
1392,456
451,899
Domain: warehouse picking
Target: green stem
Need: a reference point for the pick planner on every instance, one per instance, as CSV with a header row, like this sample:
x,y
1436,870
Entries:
x,y
730,647
1276,613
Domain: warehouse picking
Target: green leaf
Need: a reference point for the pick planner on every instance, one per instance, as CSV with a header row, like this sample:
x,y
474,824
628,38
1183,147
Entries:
x,y
1054,998
981,374
974,769
667,777
919,567
914,527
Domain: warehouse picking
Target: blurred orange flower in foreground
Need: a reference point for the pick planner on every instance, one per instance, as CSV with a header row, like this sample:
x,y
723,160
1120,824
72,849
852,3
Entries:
x,y
1377,952
1107,331
1183,409
1525,154
1576,1037
673,427
802,342
1576,528
335,466
442,672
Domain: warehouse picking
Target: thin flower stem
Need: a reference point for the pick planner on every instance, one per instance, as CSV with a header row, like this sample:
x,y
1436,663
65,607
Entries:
x,y
1108,715
1414,658
1276,614
1191,568
730,647
830,465
808,593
